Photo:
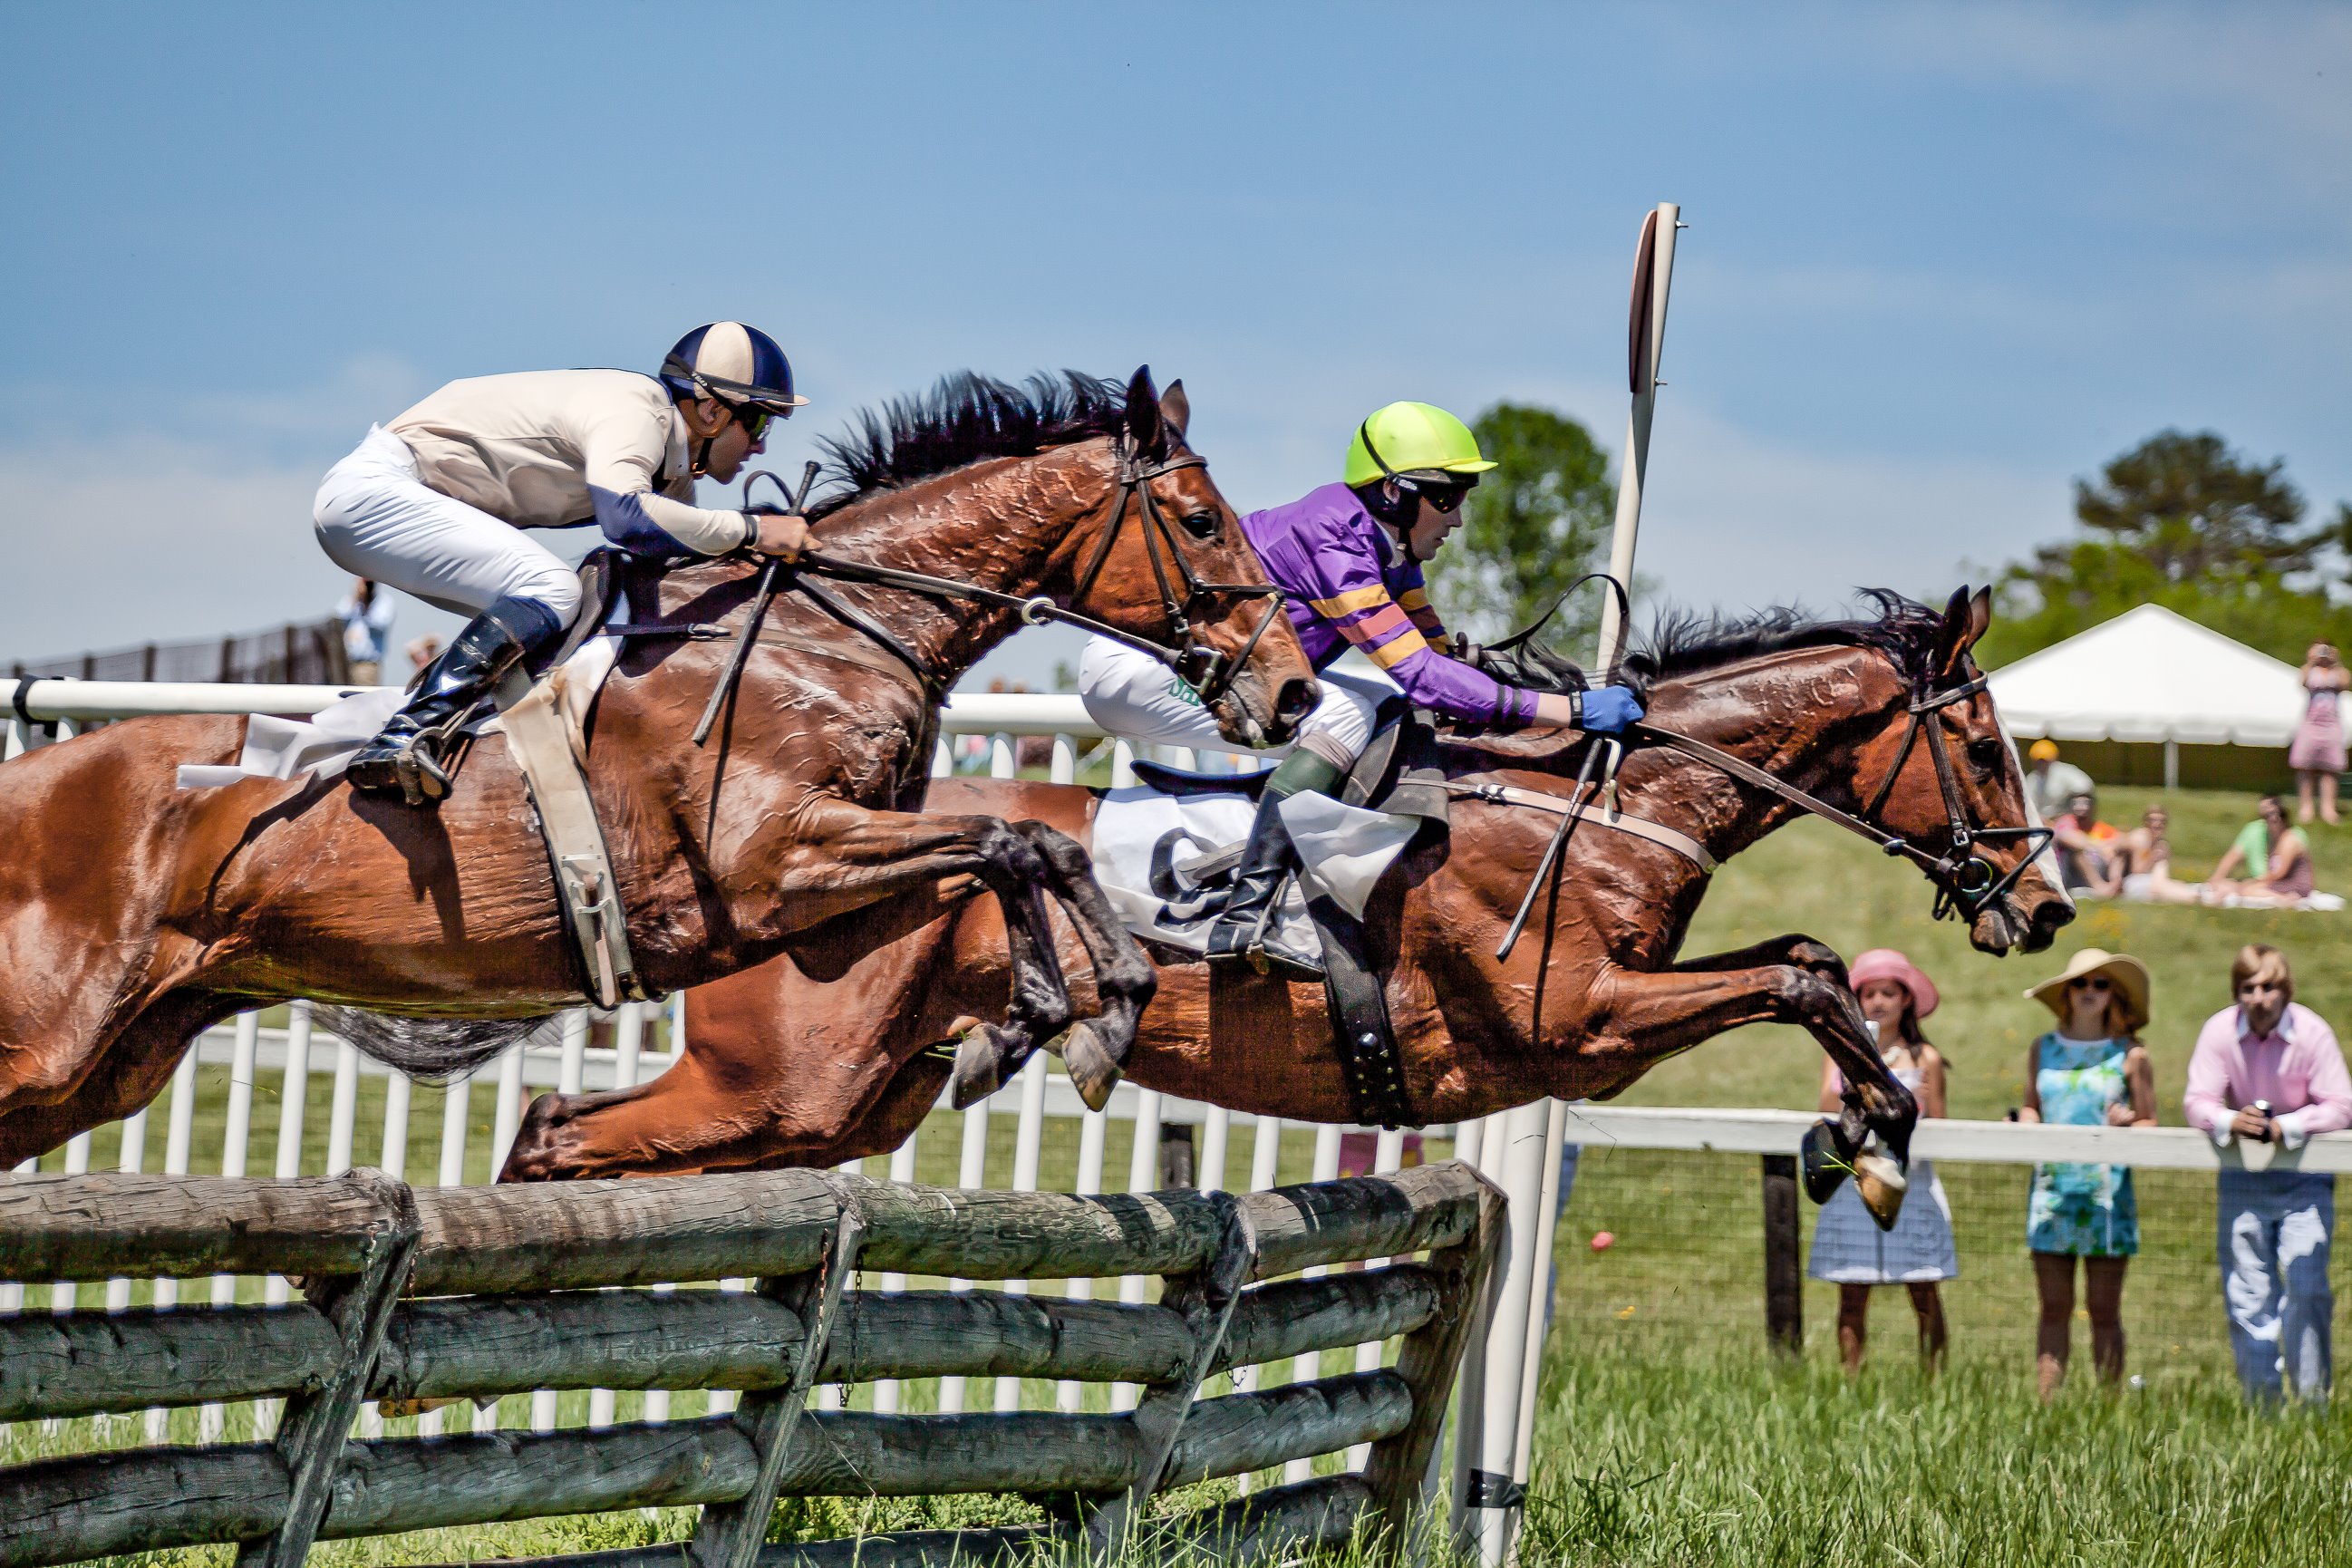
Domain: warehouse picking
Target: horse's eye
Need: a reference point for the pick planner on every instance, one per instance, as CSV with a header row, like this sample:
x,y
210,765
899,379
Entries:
x,y
1985,754
1201,524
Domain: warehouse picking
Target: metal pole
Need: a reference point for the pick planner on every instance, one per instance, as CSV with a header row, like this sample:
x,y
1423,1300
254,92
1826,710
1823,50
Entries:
x,y
1528,1165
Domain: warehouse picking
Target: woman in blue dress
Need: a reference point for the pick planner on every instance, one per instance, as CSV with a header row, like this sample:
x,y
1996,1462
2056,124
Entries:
x,y
2090,1072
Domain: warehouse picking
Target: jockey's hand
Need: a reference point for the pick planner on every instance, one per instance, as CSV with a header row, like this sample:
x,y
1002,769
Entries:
x,y
1606,710
784,534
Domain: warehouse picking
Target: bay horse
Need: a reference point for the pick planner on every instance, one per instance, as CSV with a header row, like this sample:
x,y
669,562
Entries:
x,y
783,1066
134,915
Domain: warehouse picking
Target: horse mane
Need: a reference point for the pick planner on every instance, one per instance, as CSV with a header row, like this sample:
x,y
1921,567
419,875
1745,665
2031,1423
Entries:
x,y
966,418
1686,642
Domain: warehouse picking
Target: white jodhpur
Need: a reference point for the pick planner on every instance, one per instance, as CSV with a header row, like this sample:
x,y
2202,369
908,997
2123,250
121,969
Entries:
x,y
376,518
1135,696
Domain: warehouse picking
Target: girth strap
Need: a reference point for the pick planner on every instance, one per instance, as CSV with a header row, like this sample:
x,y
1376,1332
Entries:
x,y
1681,843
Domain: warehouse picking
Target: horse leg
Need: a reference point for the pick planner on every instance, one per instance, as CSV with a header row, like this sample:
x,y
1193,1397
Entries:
x,y
1652,1015
119,1075
849,857
1095,1051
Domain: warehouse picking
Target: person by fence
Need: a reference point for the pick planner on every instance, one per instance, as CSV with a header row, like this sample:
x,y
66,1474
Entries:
x,y
2316,752
1849,1249
2267,1070
366,613
2091,1070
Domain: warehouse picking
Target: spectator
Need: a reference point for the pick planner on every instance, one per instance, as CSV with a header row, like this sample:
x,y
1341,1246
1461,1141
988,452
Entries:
x,y
2281,852
366,614
2090,1072
2088,848
2267,1069
2051,783
2145,858
2316,752
1849,1249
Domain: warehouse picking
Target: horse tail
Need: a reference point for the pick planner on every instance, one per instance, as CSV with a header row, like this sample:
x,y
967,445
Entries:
x,y
437,1051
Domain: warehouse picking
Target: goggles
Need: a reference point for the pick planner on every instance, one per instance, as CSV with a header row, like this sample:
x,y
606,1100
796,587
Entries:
x,y
1442,496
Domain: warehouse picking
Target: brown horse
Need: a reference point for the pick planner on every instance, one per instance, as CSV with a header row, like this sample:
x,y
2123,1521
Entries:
x,y
133,915
782,1068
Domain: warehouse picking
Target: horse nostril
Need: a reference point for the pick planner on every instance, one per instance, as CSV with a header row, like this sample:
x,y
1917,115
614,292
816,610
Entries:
x,y
1294,699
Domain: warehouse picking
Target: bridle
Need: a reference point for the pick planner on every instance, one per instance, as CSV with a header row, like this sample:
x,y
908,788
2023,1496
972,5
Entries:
x,y
1965,881
1208,672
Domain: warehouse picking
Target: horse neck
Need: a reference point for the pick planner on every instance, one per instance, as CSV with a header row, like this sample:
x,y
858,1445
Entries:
x,y
1802,717
1005,524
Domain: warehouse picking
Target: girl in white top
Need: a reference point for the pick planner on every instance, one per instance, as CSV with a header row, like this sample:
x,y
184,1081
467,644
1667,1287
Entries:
x,y
1849,1249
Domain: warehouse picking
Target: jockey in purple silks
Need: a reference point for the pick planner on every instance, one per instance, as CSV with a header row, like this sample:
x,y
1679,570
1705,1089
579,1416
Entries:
x,y
1349,557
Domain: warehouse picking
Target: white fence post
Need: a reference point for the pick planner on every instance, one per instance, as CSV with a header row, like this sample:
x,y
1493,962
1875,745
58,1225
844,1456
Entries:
x,y
971,1173
1308,1367
1142,1176
902,1169
212,1420
1027,1148
1068,1397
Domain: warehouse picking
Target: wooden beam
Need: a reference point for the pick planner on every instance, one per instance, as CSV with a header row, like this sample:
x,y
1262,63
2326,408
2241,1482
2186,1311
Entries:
x,y
1242,1432
94,1228
1296,1317
312,1431
83,1363
462,1347
1364,1216
142,1499
562,1236
984,1333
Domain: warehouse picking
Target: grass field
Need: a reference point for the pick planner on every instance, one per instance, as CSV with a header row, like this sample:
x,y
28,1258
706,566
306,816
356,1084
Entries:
x,y
1668,1434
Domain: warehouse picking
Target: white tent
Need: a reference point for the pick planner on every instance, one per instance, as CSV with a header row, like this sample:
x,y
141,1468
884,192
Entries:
x,y
2151,675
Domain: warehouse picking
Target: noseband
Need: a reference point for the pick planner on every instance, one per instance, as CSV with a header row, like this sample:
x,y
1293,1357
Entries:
x,y
1965,881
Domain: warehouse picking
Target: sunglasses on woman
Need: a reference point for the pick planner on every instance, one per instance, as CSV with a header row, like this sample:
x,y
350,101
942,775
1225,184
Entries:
x,y
2091,982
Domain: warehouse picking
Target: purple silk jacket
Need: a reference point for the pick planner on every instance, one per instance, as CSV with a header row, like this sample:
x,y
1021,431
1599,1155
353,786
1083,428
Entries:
x,y
1349,586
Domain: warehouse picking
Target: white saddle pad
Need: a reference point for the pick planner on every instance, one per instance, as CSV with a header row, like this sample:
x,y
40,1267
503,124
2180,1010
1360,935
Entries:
x,y
1146,843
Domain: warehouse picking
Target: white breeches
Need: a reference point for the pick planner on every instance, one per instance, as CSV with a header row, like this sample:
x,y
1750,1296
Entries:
x,y
1133,695
375,518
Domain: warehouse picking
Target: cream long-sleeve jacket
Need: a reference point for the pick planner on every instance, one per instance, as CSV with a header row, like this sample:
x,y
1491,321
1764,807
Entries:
x,y
550,449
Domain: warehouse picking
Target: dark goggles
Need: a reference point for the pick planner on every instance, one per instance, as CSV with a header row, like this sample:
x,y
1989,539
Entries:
x,y
755,420
1443,495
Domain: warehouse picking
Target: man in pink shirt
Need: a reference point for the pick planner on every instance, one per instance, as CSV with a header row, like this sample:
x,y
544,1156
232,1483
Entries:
x,y
2268,1070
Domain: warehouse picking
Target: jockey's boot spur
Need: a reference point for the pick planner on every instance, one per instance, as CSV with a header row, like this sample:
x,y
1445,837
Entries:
x,y
1239,935
409,757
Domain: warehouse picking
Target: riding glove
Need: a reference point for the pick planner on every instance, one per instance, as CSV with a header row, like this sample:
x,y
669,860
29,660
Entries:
x,y
1606,710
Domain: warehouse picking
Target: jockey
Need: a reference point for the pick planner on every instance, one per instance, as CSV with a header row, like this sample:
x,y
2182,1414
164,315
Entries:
x,y
1348,558
435,504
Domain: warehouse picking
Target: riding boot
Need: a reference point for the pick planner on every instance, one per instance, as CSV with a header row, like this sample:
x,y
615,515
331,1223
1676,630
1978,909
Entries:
x,y
409,757
1265,866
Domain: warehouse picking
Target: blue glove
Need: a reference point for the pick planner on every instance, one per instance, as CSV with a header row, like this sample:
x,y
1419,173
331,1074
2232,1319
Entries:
x,y
1606,710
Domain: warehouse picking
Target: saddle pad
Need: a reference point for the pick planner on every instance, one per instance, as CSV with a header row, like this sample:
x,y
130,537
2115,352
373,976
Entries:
x,y
1147,844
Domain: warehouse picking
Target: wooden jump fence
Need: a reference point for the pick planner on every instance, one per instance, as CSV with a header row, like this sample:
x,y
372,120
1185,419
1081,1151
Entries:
x,y
475,1292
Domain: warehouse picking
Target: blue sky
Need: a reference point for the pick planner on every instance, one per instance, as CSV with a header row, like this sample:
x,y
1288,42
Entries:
x,y
1941,261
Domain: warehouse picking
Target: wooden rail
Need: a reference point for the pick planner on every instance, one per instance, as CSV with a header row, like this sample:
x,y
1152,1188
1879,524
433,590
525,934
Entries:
x,y
465,1293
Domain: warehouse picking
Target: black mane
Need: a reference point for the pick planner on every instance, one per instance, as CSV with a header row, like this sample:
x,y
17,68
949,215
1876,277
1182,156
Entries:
x,y
964,419
1683,642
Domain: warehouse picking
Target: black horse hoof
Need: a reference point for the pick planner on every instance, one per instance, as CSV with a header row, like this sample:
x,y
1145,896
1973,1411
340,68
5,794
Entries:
x,y
1823,1160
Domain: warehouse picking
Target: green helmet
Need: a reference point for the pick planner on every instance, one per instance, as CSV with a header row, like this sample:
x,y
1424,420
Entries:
x,y
1411,438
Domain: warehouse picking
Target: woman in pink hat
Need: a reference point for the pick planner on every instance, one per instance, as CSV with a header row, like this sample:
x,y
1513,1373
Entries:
x,y
1849,1249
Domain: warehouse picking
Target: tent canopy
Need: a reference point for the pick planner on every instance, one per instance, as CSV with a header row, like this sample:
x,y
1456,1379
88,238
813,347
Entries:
x,y
2150,675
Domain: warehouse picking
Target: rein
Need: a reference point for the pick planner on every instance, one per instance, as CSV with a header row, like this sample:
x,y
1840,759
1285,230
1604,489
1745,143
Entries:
x,y
1964,880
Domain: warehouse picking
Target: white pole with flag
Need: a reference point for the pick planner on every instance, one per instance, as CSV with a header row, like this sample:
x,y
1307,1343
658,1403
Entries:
x,y
1510,1347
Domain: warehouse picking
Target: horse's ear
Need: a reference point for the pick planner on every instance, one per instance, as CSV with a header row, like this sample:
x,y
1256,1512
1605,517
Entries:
x,y
1144,425
1176,409
1965,617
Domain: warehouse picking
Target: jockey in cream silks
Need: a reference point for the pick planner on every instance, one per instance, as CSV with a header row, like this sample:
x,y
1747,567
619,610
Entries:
x,y
1349,556
436,502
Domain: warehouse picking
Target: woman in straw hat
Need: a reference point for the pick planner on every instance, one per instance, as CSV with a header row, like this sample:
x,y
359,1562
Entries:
x,y
2090,1072
1849,1249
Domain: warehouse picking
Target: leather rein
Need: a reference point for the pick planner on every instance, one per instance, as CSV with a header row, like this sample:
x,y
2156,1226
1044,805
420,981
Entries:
x,y
1205,669
1965,881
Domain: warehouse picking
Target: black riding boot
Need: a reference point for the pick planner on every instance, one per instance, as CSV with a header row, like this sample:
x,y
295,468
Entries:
x,y
409,757
1265,864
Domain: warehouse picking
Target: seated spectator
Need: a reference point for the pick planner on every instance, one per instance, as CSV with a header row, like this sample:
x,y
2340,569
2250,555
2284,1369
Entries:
x,y
2145,854
2282,853
2088,848
2268,1070
2051,783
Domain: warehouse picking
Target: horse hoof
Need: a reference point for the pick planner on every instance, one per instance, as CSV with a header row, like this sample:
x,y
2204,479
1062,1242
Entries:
x,y
1822,1165
984,1062
1094,1072
1881,1184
